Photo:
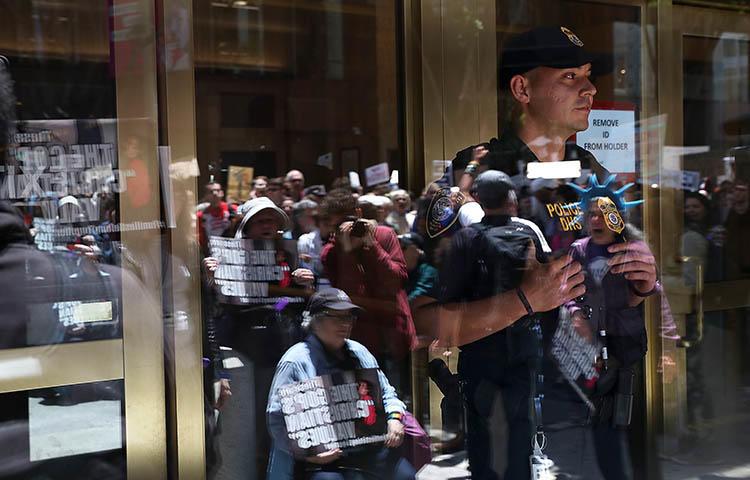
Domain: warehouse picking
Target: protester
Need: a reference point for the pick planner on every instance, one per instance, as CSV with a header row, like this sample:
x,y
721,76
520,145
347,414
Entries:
x,y
288,206
261,332
303,215
423,277
216,217
316,193
259,187
401,218
275,190
296,181
698,240
328,350
365,260
65,295
701,247
310,247
374,207
737,257
723,200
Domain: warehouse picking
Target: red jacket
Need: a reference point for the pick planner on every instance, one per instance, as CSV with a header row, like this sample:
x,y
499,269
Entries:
x,y
375,279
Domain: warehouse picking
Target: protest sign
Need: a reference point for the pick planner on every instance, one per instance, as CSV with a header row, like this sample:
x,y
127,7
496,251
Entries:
x,y
343,410
377,174
253,271
326,160
239,182
67,175
574,355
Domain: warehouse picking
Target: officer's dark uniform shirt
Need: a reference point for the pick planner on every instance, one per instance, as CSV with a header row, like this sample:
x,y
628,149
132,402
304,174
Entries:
x,y
506,153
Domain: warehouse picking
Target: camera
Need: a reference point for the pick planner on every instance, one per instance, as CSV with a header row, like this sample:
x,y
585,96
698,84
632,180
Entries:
x,y
359,229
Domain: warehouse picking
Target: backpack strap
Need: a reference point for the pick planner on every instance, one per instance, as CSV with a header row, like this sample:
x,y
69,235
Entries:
x,y
535,228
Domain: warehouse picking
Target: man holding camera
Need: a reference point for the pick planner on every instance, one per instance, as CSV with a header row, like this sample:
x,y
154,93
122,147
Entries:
x,y
366,261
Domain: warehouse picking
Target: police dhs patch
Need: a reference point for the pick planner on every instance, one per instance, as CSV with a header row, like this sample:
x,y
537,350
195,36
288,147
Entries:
x,y
572,37
443,211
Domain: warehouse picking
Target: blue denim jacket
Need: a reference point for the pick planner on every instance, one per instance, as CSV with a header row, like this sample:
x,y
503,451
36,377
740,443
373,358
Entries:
x,y
297,365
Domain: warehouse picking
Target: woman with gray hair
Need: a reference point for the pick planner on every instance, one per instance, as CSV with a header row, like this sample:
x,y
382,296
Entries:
x,y
328,350
401,218
304,218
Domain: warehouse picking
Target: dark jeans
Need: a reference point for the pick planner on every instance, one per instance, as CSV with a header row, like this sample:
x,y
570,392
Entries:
x,y
481,377
383,464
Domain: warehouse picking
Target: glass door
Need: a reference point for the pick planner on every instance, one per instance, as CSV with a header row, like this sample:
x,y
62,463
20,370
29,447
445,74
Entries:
x,y
81,331
703,184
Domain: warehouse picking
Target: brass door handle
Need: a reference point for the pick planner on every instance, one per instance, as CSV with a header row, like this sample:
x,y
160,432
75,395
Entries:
x,y
687,342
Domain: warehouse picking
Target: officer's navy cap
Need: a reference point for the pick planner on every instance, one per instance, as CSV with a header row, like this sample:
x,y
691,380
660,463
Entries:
x,y
555,47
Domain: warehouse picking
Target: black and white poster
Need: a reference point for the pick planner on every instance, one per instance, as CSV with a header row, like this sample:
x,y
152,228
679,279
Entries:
x,y
343,411
254,271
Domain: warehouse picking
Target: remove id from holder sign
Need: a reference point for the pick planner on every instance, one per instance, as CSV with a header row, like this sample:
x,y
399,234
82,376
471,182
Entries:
x,y
611,138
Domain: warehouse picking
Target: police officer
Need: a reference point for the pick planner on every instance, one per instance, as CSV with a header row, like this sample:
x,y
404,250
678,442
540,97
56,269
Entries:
x,y
486,259
547,73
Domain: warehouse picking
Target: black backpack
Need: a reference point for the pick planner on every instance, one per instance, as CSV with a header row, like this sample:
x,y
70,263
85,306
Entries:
x,y
506,258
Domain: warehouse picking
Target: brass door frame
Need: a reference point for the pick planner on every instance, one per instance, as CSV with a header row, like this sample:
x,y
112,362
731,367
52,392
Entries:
x,y
184,334
450,80
143,338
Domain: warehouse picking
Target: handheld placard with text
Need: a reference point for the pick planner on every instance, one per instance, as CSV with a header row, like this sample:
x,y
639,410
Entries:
x,y
343,410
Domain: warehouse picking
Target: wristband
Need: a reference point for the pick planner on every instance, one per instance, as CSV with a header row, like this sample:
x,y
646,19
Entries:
x,y
395,416
525,301
657,288
471,168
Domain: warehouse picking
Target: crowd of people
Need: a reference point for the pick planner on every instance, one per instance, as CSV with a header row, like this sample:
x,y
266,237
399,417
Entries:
x,y
472,262
376,248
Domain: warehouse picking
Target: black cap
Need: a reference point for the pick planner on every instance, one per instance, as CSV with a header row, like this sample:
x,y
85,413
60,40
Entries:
x,y
556,47
316,190
492,187
330,299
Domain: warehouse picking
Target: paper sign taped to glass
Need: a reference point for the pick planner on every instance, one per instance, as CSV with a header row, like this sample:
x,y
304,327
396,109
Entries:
x,y
254,271
343,410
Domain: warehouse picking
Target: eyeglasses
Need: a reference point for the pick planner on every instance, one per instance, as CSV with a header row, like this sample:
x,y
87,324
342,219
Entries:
x,y
341,318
